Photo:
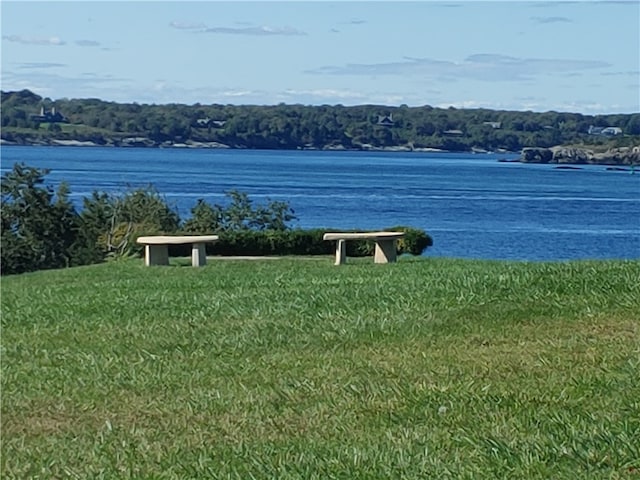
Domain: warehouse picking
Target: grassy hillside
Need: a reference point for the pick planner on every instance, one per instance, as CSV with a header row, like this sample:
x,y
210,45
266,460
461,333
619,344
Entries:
x,y
295,368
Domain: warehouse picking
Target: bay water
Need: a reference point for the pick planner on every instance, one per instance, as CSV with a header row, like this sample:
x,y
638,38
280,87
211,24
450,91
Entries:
x,y
473,205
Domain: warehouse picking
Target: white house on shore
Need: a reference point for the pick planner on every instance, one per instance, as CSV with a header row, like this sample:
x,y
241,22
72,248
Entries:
x,y
606,131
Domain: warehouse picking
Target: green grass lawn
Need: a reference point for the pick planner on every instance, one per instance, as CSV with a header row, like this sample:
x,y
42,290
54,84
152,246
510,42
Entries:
x,y
296,368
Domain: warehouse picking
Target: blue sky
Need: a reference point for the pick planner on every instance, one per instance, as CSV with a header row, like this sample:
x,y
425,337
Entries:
x,y
517,55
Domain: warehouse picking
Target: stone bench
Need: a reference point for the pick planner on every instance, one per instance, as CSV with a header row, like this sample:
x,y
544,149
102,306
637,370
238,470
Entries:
x,y
385,244
156,249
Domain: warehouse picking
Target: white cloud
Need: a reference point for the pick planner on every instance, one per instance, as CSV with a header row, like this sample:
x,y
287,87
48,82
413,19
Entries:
x,y
635,74
339,96
87,43
48,83
188,25
489,67
246,29
26,40
551,20
237,93
262,30
38,65
325,93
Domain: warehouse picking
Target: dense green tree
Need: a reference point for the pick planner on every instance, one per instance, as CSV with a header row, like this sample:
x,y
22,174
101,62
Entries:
x,y
633,125
142,211
205,218
42,230
96,218
38,226
239,214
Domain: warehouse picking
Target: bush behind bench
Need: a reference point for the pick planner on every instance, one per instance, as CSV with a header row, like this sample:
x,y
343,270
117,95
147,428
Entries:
x,y
302,242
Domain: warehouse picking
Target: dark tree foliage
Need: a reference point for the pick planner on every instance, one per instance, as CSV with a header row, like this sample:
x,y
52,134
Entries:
x,y
239,215
39,226
299,126
111,223
41,229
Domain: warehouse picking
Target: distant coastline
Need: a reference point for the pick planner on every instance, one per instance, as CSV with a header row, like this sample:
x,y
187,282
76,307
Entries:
x,y
558,137
140,142
560,155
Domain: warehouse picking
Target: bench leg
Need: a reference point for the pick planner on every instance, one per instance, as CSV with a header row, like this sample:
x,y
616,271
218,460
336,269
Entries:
x,y
198,255
341,252
156,255
385,251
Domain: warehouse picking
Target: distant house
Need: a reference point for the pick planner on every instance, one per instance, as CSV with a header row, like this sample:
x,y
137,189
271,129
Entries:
x,y
453,133
208,122
50,117
494,125
611,131
606,131
385,120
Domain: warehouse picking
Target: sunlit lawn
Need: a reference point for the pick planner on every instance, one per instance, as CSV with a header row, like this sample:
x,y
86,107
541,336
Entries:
x,y
296,368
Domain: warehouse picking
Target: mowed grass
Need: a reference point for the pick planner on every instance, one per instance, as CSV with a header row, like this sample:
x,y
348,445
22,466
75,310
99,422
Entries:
x,y
295,368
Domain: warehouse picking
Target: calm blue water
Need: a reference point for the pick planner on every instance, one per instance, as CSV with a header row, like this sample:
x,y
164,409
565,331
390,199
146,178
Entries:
x,y
472,205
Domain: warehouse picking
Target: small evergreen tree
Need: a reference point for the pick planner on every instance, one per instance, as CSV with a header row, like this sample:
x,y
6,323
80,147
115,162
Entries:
x,y
239,215
205,219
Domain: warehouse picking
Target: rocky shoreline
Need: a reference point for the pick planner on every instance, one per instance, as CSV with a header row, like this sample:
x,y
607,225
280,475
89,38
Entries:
x,y
144,142
561,155
581,156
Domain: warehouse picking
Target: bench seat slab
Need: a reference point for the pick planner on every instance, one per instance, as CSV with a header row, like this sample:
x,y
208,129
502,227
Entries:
x,y
361,235
176,239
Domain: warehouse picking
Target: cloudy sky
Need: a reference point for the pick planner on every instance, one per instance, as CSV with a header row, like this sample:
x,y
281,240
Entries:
x,y
577,56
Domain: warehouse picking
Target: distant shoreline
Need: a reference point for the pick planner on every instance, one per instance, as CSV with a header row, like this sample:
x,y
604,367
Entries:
x,y
147,143
560,155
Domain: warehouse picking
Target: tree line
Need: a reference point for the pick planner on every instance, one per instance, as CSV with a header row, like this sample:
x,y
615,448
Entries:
x,y
314,127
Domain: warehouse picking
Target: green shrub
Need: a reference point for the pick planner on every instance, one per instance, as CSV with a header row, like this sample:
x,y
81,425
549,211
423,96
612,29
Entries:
x,y
112,223
302,242
271,242
239,214
415,241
